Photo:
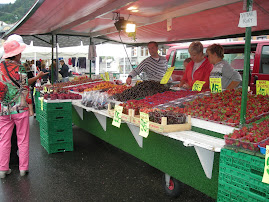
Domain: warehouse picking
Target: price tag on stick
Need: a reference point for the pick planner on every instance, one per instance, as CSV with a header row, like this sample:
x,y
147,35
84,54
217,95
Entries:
x,y
107,76
117,116
215,85
144,124
34,91
167,75
198,85
265,178
41,103
102,76
262,87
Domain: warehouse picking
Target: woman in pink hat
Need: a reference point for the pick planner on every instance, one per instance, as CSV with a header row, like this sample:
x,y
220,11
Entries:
x,y
14,108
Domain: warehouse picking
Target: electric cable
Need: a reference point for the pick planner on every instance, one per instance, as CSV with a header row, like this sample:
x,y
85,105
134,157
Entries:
x,y
127,54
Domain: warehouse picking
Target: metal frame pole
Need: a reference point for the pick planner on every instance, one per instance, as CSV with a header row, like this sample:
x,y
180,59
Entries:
x,y
52,57
57,62
90,59
246,69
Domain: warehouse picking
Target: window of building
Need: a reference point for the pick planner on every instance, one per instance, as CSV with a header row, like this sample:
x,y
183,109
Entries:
x,y
163,51
134,52
142,49
147,52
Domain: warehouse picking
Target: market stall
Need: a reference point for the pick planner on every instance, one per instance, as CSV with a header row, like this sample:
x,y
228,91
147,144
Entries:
x,y
190,155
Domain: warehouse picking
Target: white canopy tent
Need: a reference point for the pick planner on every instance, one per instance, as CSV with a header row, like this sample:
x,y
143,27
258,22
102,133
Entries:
x,y
37,52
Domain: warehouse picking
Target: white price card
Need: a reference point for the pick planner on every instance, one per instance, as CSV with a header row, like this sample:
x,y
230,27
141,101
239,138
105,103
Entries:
x,y
117,116
144,124
248,19
42,103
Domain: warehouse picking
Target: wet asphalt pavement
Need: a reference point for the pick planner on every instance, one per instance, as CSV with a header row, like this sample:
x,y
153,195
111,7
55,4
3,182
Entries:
x,y
94,171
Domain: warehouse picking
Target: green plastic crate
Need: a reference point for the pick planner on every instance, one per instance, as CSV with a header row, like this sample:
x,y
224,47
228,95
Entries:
x,y
222,198
58,136
237,194
37,109
243,172
57,147
52,125
243,180
55,115
62,106
242,161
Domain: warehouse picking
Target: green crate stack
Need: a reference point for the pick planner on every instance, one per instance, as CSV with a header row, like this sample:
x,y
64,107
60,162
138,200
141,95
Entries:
x,y
58,147
56,134
240,177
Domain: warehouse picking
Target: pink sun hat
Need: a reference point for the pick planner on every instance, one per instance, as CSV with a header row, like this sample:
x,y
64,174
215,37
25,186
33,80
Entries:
x,y
12,48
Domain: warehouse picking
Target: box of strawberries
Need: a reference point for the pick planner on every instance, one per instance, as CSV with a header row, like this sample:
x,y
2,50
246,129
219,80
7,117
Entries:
x,y
250,137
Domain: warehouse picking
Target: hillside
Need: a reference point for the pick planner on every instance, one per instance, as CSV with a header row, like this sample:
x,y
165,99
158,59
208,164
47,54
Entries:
x,y
11,13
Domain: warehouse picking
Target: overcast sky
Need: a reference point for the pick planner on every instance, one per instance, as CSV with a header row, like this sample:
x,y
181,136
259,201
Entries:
x,y
6,1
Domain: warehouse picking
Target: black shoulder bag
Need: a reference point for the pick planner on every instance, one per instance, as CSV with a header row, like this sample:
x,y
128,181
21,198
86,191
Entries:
x,y
15,82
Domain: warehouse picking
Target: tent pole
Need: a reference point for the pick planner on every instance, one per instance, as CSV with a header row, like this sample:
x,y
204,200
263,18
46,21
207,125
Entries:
x,y
35,65
57,62
246,69
52,57
90,59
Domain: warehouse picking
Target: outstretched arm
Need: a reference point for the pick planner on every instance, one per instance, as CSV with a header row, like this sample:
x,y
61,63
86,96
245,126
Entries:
x,y
40,74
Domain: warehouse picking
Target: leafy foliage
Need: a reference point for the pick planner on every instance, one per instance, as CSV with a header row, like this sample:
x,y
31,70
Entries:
x,y
11,13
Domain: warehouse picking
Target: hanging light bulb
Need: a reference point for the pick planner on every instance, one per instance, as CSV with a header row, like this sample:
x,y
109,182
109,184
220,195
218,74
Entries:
x,y
130,27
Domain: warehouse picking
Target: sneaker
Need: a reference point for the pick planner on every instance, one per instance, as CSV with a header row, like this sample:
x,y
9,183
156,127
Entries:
x,y
4,173
24,172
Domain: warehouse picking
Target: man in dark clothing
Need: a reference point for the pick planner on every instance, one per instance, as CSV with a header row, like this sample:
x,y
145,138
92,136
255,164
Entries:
x,y
45,77
64,71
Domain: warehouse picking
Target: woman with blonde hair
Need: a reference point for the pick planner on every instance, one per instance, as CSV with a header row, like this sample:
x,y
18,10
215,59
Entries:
x,y
198,69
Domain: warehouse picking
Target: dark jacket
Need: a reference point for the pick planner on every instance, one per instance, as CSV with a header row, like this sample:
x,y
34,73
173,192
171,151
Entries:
x,y
30,75
45,77
64,71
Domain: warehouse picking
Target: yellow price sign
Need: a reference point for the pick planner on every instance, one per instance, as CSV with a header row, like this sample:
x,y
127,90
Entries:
x,y
167,75
42,103
117,116
34,91
107,76
215,85
198,85
102,76
144,125
45,89
262,87
265,178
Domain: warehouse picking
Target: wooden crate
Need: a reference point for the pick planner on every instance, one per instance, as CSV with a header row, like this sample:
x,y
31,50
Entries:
x,y
124,117
110,111
136,119
163,127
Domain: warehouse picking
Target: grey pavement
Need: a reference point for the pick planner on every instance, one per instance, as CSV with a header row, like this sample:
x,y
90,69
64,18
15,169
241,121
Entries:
x,y
94,171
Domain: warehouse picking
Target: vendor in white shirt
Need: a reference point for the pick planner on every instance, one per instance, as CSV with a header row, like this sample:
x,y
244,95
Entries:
x,y
154,66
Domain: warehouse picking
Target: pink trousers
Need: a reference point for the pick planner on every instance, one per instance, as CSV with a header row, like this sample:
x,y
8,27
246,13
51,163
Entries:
x,y
6,127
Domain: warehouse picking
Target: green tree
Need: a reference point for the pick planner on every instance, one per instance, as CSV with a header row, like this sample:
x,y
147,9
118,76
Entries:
x,y
11,13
